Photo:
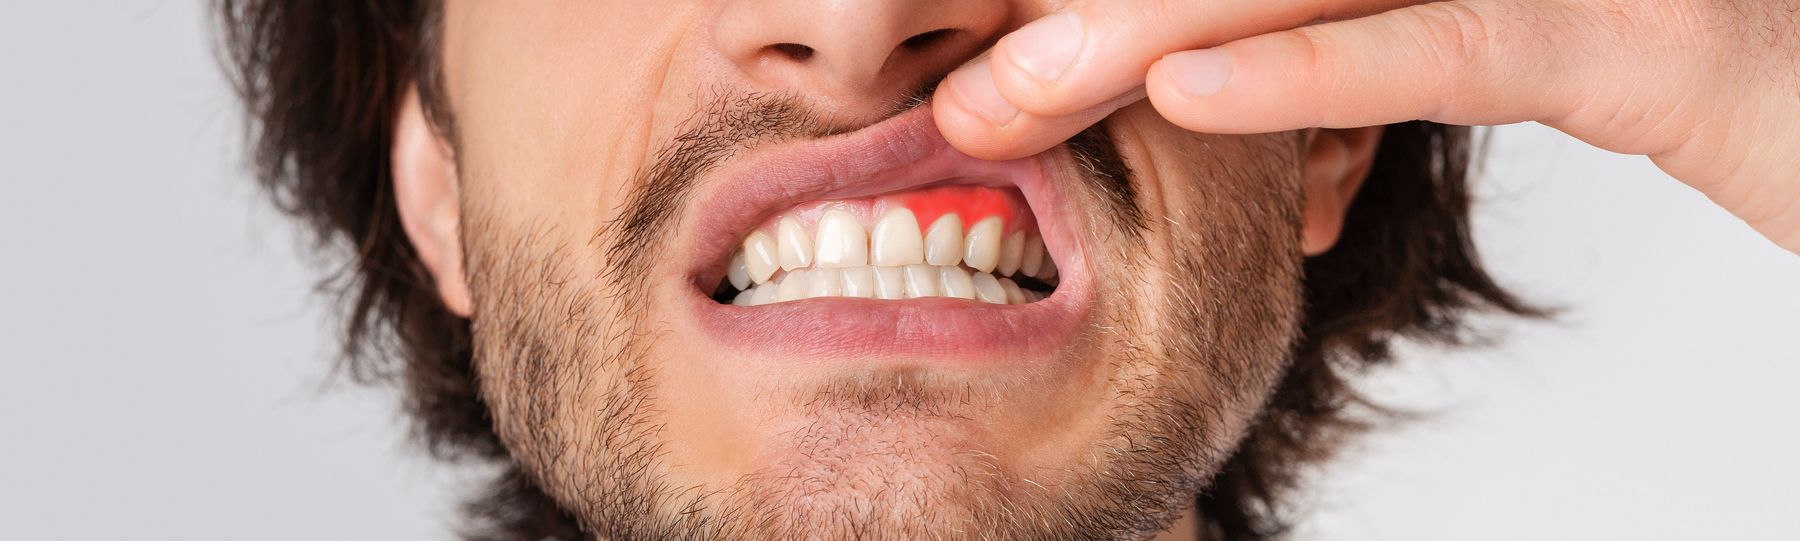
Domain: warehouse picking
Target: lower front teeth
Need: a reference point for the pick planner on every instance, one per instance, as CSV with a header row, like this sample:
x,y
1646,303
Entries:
x,y
891,283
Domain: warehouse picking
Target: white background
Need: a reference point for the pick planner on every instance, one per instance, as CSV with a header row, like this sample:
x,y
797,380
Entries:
x,y
165,375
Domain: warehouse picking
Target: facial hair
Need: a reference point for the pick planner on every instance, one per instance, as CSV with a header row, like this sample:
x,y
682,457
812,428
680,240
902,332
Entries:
x,y
565,363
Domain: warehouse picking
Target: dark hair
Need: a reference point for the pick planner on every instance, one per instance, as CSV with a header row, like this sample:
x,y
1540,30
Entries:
x,y
322,81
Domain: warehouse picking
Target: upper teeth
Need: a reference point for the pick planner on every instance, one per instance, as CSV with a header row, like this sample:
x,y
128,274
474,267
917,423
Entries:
x,y
759,258
981,248
796,248
842,242
944,241
893,260
897,241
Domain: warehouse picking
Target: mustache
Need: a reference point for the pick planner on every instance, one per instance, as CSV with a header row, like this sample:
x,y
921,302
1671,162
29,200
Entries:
x,y
732,123
726,126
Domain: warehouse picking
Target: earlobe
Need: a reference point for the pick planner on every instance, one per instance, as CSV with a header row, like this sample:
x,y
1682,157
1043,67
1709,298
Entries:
x,y
1335,163
427,196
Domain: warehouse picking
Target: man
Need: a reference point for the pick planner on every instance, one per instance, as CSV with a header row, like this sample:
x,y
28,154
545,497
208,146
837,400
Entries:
x,y
747,270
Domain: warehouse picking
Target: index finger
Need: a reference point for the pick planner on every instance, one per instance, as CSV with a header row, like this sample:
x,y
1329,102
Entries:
x,y
1063,72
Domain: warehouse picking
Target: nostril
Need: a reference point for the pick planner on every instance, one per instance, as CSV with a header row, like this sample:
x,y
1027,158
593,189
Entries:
x,y
793,51
926,40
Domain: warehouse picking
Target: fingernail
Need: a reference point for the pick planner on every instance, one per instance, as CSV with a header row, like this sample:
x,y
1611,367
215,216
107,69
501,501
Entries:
x,y
1048,46
1198,73
974,88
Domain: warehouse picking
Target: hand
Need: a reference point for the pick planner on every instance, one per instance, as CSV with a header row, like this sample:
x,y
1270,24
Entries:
x,y
1708,89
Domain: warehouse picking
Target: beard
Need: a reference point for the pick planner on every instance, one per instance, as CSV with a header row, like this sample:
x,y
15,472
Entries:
x,y
567,358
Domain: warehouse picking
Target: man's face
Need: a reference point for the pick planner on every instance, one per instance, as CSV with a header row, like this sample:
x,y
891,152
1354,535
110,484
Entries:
x,y
717,290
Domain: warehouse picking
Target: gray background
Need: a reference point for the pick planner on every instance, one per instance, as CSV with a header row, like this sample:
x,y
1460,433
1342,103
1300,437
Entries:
x,y
165,367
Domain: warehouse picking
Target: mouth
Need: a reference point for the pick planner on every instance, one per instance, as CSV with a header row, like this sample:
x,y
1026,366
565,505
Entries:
x,y
887,242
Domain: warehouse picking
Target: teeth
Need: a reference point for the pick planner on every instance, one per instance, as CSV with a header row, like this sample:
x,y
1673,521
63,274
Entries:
x,y
738,272
1014,295
764,294
921,281
981,248
1011,250
1031,261
890,283
957,283
759,257
859,282
841,241
896,241
825,283
944,241
796,247
794,286
892,261
988,289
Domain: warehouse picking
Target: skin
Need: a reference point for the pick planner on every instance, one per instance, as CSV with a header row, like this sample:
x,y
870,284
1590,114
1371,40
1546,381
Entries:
x,y
1707,89
613,399
615,402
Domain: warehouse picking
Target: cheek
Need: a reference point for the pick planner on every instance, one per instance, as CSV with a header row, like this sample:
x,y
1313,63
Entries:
x,y
1222,198
552,115
1224,215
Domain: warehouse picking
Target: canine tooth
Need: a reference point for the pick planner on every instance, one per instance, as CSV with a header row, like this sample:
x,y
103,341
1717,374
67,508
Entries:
x,y
743,298
1011,251
988,289
981,248
738,272
794,286
944,241
957,283
859,282
764,294
842,242
796,246
759,256
1014,295
1032,259
824,283
896,240
890,283
922,281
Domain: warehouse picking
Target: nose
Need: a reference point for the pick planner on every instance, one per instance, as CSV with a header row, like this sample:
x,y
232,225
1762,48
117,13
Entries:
x,y
852,51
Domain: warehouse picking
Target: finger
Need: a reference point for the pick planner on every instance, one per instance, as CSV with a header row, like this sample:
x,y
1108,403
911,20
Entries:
x,y
1464,62
1073,62
975,135
1097,49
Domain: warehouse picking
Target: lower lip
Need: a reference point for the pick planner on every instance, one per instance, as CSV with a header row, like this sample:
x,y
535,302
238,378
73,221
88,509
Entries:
x,y
943,330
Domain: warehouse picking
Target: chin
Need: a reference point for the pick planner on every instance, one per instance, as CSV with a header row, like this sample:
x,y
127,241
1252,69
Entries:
x,y
871,334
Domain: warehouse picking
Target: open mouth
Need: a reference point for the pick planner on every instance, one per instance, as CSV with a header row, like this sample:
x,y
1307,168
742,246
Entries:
x,y
887,241
980,244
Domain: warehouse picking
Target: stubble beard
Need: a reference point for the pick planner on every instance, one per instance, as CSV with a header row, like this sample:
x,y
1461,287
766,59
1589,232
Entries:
x,y
566,364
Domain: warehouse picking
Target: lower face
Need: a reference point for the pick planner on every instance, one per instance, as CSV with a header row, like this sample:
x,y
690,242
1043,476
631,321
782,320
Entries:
x,y
705,312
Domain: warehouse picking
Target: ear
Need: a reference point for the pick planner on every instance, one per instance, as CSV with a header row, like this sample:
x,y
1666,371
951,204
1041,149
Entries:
x,y
1336,162
426,191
